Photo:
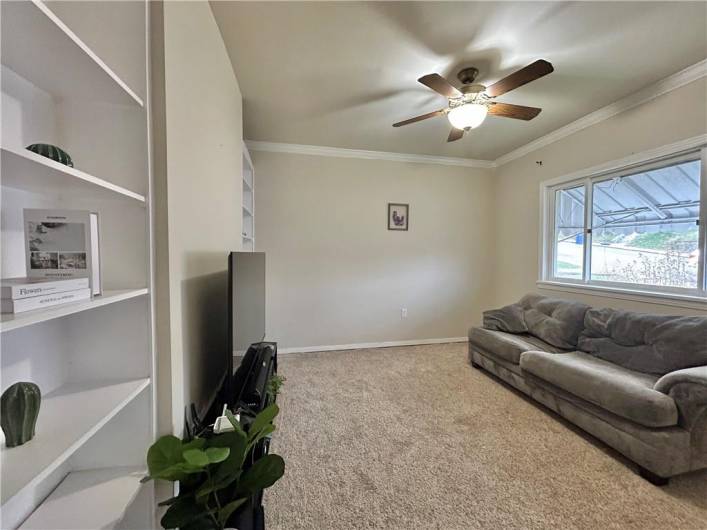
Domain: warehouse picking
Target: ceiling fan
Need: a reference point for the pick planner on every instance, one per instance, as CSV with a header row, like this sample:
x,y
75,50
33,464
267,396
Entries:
x,y
468,106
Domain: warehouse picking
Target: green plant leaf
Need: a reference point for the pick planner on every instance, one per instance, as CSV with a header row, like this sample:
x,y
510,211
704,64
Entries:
x,y
217,454
196,457
230,439
169,502
164,453
203,522
196,443
265,431
226,512
179,514
217,484
213,486
230,469
178,472
262,420
190,482
263,474
236,424
275,384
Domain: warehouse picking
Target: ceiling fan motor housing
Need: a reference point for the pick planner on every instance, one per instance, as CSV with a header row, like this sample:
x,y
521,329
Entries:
x,y
468,75
472,89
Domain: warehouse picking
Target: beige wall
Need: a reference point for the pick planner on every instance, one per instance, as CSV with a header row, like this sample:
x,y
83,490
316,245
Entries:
x,y
198,165
669,118
336,275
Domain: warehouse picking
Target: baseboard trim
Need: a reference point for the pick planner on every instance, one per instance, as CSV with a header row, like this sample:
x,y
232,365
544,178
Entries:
x,y
367,345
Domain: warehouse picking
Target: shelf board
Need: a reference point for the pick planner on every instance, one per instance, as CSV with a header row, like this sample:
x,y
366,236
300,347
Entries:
x,y
247,211
248,238
37,45
28,171
88,500
247,186
68,417
10,321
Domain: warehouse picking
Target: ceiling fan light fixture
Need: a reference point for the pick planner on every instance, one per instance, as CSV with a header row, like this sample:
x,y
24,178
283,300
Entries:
x,y
470,115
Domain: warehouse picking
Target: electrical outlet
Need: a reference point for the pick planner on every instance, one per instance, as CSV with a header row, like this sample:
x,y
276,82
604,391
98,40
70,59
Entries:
x,y
403,312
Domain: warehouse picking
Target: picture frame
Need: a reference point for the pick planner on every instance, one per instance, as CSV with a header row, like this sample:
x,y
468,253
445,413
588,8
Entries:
x,y
398,216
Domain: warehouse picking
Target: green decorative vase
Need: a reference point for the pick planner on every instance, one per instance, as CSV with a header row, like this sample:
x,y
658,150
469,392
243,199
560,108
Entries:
x,y
19,408
53,152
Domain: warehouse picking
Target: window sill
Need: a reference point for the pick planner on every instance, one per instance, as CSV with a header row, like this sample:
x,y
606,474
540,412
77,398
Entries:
x,y
646,297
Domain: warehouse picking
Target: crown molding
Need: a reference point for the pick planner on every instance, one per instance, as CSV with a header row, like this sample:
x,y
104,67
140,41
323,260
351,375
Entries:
x,y
634,159
668,84
340,152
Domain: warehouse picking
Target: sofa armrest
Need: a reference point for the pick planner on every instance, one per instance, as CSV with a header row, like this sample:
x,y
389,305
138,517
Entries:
x,y
688,388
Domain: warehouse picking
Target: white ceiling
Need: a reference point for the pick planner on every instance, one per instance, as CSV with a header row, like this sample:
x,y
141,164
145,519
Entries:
x,y
339,74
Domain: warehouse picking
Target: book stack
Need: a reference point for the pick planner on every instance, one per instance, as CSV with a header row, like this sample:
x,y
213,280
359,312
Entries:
x,y
63,244
26,294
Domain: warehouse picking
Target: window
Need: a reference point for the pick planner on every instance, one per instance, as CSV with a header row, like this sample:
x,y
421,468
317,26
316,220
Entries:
x,y
636,228
569,233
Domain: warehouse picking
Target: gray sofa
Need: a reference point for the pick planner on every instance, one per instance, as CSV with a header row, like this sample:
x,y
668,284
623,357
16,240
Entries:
x,y
637,382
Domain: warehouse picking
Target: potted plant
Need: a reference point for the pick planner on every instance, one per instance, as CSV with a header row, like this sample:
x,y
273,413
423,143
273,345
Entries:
x,y
275,384
214,480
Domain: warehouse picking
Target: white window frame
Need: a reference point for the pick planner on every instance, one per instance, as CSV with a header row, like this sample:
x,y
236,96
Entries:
x,y
691,149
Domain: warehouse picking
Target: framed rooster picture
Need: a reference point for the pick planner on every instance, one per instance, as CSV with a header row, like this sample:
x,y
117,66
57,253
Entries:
x,y
398,216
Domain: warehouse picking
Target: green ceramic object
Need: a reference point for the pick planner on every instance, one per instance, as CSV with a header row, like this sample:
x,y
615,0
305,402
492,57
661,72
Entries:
x,y
53,152
19,408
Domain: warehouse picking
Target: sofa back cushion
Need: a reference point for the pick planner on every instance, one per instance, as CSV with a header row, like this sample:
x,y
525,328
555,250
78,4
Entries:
x,y
510,318
558,322
652,344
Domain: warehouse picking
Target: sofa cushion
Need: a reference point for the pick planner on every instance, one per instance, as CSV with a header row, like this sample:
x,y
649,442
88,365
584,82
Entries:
x,y
557,322
624,392
654,344
507,346
510,318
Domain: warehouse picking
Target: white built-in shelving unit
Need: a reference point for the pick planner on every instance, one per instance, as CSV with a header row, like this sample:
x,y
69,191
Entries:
x,y
75,74
248,206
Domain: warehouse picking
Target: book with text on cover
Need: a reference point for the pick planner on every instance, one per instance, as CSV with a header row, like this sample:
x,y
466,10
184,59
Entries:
x,y
8,305
63,244
18,288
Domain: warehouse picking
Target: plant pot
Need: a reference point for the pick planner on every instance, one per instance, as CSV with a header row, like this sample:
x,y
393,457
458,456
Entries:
x,y
19,408
52,152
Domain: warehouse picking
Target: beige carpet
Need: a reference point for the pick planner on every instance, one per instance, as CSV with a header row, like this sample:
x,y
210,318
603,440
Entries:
x,y
414,438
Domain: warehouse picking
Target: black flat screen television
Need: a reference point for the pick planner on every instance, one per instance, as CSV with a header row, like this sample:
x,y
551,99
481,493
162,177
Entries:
x,y
246,312
254,360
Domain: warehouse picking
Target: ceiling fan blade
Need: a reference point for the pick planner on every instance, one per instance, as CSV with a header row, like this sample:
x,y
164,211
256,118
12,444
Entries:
x,y
419,118
440,85
507,110
525,75
455,134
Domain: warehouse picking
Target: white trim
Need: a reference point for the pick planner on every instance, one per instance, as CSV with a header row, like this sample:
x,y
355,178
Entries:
x,y
547,214
668,84
46,11
702,233
368,345
340,152
646,297
11,321
246,153
675,152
